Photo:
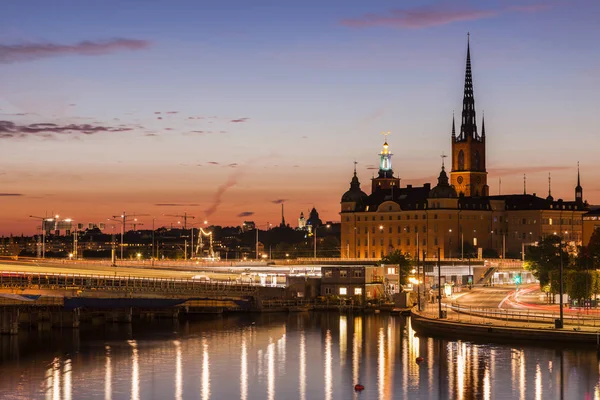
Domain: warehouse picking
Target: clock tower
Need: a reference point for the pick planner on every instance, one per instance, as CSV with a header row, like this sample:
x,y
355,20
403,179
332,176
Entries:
x,y
468,175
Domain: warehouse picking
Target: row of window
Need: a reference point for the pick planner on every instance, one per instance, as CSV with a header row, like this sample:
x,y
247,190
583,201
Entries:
x,y
344,291
381,218
343,274
559,221
399,242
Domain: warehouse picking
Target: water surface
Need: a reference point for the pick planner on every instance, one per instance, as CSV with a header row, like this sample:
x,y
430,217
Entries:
x,y
302,356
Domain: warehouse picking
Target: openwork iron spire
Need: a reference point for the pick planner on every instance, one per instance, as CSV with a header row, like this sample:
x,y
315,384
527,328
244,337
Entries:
x,y
453,127
468,127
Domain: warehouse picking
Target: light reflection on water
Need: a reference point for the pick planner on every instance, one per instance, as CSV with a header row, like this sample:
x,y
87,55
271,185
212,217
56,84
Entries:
x,y
296,356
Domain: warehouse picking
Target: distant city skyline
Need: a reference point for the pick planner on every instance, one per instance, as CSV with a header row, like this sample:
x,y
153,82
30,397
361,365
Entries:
x,y
225,110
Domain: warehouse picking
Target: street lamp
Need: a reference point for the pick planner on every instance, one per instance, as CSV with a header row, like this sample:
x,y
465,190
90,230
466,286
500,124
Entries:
x,y
450,244
122,222
315,249
43,219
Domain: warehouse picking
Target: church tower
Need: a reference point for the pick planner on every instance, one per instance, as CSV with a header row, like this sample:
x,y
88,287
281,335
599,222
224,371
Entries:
x,y
468,175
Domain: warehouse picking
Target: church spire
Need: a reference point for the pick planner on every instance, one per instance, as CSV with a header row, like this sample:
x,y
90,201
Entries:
x,y
468,128
550,198
453,127
482,125
578,188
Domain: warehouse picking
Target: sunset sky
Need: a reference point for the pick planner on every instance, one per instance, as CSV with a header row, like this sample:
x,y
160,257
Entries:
x,y
224,108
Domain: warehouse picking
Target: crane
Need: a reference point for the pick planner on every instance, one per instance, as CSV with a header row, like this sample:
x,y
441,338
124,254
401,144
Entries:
x,y
185,217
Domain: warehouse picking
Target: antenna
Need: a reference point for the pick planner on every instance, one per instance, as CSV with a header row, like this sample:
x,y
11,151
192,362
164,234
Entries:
x,y
443,156
549,185
499,186
524,184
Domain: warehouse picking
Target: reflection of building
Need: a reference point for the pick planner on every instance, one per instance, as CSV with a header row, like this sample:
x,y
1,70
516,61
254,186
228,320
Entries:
x,y
458,215
361,282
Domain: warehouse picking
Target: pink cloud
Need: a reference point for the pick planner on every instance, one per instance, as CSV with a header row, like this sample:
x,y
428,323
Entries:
x,y
425,17
35,51
530,8
417,18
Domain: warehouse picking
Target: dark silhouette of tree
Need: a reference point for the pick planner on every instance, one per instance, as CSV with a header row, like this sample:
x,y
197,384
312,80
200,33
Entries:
x,y
402,260
543,260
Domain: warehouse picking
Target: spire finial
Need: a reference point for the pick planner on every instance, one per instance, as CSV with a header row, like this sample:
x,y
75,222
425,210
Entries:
x,y
386,134
443,156
549,185
524,184
355,167
578,179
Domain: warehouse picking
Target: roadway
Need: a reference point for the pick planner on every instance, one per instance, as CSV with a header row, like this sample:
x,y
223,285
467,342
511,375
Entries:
x,y
528,296
216,272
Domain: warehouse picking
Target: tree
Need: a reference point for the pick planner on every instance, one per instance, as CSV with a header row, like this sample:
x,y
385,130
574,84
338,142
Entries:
x,y
545,258
580,284
403,261
490,253
469,250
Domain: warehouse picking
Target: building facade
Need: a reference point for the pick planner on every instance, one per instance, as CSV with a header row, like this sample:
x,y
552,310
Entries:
x,y
457,216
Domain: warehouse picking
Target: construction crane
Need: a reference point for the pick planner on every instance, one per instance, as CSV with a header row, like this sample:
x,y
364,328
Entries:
x,y
185,217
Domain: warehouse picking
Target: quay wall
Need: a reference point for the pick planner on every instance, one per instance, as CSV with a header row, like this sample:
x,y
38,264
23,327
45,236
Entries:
x,y
424,325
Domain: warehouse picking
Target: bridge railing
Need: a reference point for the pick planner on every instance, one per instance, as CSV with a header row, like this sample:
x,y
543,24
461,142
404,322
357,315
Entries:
x,y
26,280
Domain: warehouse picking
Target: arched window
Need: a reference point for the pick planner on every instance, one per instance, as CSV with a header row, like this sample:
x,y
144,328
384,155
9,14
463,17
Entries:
x,y
461,160
477,161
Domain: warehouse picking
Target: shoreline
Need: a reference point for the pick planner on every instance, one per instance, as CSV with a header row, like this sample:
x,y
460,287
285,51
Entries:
x,y
424,325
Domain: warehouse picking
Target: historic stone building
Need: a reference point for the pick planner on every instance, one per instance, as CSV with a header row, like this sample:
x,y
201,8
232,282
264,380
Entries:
x,y
456,215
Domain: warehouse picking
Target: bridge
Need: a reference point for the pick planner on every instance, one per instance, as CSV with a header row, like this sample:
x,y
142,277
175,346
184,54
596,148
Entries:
x,y
63,300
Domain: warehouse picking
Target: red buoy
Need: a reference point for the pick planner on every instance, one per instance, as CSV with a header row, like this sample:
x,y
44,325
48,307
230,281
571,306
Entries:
x,y
358,387
419,359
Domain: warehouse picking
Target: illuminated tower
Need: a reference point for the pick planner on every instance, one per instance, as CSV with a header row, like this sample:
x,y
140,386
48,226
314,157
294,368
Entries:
x,y
468,175
385,178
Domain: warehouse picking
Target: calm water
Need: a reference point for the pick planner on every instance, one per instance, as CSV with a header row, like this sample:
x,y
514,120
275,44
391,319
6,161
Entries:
x,y
280,356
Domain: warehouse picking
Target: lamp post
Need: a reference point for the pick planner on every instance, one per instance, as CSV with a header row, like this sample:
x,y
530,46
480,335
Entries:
x,y
418,282
122,222
43,219
561,281
368,243
450,243
153,243
439,284
315,244
462,245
